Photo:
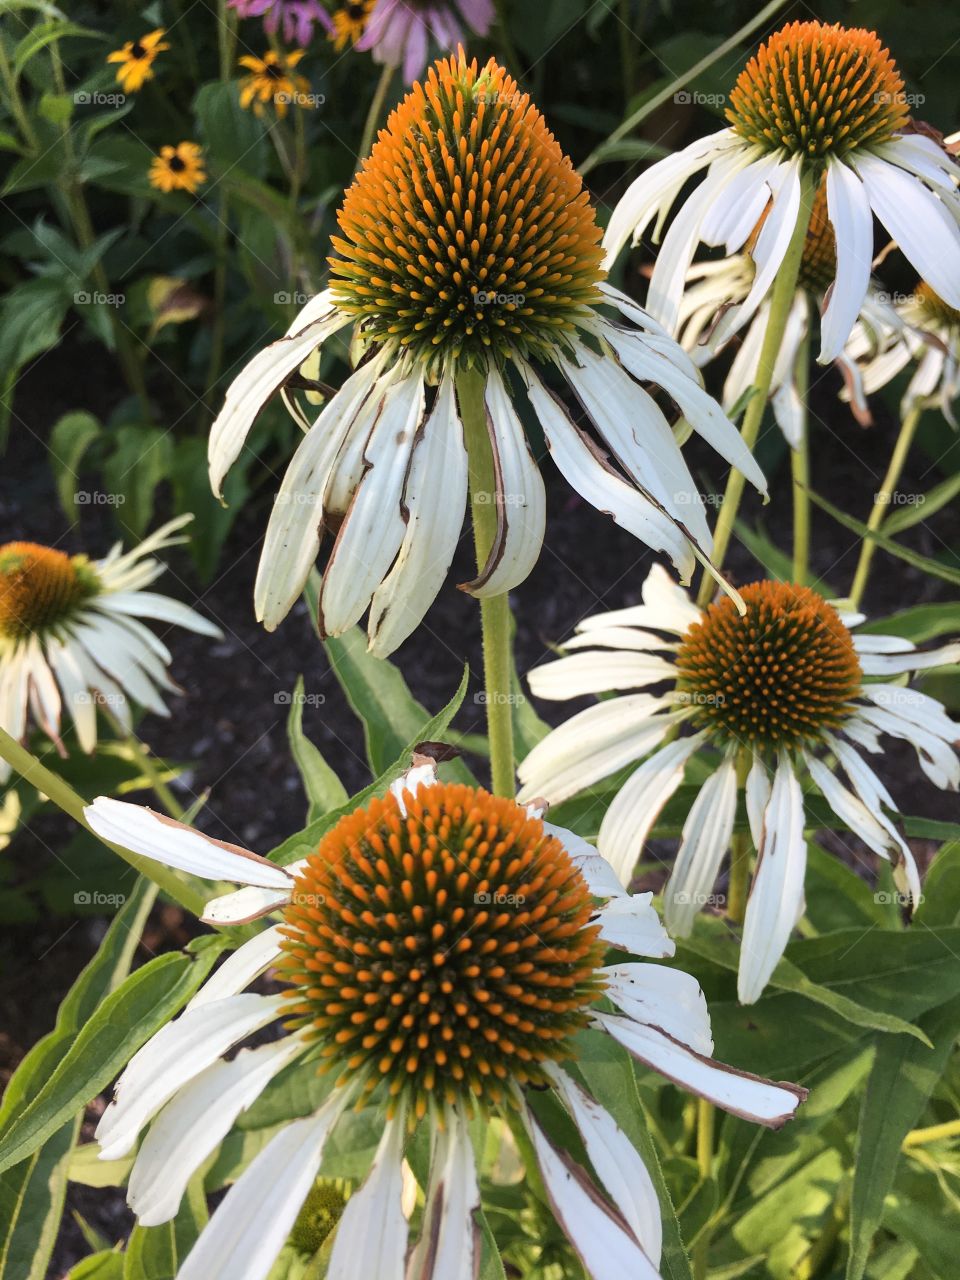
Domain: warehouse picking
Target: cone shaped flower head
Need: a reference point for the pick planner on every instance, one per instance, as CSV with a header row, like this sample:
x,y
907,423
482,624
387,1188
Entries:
x,y
818,103
467,246
786,690
442,951
71,638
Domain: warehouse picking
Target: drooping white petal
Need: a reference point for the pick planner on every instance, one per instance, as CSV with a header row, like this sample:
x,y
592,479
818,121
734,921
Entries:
x,y
372,1235
911,704
435,499
757,794
595,870
638,804
240,968
878,664
251,1225
590,474
520,497
150,604
666,998
617,1163
134,827
247,905
850,809
765,1102
597,672
449,1244
172,1058
606,1244
918,221
630,923
292,540
600,741
264,375
656,189
776,894
705,839
372,533
938,760
849,211
77,698
194,1122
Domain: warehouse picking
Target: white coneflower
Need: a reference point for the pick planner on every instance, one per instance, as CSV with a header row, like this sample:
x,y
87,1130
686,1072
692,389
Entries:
x,y
926,336
440,950
775,692
713,287
816,102
467,244
71,636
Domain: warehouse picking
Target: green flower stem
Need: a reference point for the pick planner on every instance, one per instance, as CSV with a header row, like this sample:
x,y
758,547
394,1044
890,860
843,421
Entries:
x,y
65,798
740,846
881,501
17,109
226,38
374,114
706,1123
511,58
800,470
933,1133
781,300
494,611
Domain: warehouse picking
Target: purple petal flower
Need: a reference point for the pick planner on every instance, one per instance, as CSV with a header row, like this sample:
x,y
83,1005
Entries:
x,y
295,18
399,31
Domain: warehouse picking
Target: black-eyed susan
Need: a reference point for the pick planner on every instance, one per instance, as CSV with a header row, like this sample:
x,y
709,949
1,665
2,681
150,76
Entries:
x,y
70,638
467,244
439,951
784,690
136,59
349,23
818,102
179,168
273,82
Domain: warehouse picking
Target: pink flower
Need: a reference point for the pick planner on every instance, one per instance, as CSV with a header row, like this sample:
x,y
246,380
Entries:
x,y
296,17
399,30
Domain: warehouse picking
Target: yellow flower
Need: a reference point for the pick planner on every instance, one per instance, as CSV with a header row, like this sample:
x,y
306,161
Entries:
x,y
136,60
178,168
349,23
272,80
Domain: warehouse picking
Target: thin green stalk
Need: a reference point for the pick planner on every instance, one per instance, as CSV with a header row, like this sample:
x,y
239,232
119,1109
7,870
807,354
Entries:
x,y
145,763
628,45
933,1133
738,38
64,797
740,846
781,300
374,114
17,108
226,38
218,331
495,610
881,501
706,1123
511,58
800,471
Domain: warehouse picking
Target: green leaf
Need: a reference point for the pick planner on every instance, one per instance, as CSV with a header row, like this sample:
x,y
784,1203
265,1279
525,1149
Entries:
x,y
32,1192
155,1253
777,563
293,847
30,320
903,1077
125,1020
934,568
608,1073
46,33
929,504
99,1266
921,623
324,789
71,437
940,903
234,136
142,458
191,492
782,1223
491,1264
